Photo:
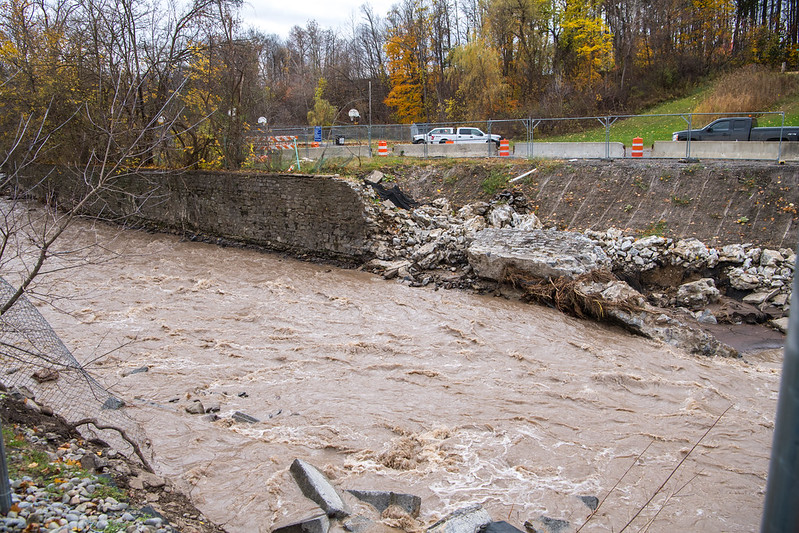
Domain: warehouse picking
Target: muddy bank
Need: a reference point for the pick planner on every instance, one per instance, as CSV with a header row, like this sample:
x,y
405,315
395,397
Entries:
x,y
717,202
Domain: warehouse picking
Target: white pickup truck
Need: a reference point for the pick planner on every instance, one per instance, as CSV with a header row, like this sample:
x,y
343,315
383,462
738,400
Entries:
x,y
455,135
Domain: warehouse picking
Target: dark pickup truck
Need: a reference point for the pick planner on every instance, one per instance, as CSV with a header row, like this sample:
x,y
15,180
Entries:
x,y
737,129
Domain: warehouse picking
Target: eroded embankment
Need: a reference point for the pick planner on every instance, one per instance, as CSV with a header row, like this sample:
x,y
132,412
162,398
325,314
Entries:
x,y
717,202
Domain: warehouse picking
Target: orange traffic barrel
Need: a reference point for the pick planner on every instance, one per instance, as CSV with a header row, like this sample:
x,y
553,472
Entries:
x,y
638,147
504,148
382,148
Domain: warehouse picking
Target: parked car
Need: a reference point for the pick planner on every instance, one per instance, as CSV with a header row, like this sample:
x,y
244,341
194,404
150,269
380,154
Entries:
x,y
455,135
737,129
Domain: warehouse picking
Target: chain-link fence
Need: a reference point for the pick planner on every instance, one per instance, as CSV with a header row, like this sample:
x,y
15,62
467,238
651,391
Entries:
x,y
614,136
35,364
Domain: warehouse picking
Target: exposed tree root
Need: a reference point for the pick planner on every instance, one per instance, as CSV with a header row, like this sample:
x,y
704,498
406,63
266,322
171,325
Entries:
x,y
122,434
568,296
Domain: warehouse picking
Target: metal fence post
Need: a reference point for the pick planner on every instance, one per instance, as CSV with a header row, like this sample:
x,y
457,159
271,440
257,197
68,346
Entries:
x,y
489,143
781,509
5,485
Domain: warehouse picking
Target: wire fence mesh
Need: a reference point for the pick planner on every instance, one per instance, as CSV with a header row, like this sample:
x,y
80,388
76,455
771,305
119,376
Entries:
x,y
36,364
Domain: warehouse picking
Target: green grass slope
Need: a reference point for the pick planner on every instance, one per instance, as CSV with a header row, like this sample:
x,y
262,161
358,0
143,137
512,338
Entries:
x,y
652,125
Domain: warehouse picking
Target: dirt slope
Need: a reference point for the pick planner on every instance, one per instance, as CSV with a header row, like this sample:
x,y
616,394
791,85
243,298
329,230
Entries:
x,y
716,202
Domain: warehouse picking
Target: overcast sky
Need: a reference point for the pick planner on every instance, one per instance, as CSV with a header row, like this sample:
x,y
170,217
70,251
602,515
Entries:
x,y
279,16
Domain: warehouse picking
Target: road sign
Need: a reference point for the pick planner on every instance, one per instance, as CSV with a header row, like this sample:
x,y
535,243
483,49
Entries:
x,y
317,134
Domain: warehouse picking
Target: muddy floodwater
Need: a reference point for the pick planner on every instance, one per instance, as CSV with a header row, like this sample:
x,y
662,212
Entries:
x,y
454,397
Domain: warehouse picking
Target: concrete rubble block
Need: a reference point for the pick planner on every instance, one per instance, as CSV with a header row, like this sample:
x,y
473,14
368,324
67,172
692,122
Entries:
x,y
733,253
756,298
697,294
195,408
526,222
375,177
652,241
315,486
381,500
357,524
317,524
770,258
742,280
780,324
238,416
501,216
500,527
673,332
544,524
616,292
467,520
541,254
592,502
691,250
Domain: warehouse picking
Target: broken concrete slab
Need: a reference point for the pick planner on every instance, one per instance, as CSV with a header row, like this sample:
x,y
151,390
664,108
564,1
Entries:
x,y
544,524
357,524
381,500
592,502
626,306
315,486
238,416
316,524
698,294
374,177
500,527
467,520
780,324
541,254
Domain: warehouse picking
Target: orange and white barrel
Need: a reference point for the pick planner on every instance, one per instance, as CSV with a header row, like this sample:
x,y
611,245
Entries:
x,y
382,148
504,148
638,147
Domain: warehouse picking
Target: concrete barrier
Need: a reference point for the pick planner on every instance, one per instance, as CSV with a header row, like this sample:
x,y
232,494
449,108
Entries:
x,y
568,150
316,153
446,150
753,150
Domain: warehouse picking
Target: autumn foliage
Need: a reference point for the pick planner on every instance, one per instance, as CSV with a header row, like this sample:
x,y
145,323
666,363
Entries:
x,y
186,83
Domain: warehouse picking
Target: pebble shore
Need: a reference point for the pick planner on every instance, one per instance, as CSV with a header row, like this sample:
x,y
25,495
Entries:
x,y
76,504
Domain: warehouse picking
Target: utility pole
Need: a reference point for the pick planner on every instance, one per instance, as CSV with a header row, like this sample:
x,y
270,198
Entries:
x,y
781,510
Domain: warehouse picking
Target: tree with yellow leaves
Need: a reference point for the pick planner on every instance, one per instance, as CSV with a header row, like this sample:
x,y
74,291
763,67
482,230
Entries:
x,y
323,112
588,40
481,89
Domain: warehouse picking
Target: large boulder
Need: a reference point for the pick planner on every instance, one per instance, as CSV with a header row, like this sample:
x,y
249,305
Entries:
x,y
538,253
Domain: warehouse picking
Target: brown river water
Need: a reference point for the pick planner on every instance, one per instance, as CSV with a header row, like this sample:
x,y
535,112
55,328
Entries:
x,y
455,397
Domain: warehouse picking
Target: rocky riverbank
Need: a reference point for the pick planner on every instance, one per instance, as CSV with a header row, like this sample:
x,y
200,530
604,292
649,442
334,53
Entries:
x,y
683,279
61,482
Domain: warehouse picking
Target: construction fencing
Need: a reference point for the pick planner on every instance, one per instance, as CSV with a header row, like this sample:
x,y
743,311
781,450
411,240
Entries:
x,y
525,134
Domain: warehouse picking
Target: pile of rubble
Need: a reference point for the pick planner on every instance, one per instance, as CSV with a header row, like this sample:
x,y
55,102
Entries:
x,y
417,245
759,276
346,510
436,244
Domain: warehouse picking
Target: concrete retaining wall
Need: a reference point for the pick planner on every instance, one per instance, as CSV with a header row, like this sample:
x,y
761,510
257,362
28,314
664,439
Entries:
x,y
754,150
568,150
321,216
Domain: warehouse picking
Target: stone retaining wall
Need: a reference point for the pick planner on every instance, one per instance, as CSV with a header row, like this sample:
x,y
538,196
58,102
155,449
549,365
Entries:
x,y
320,216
